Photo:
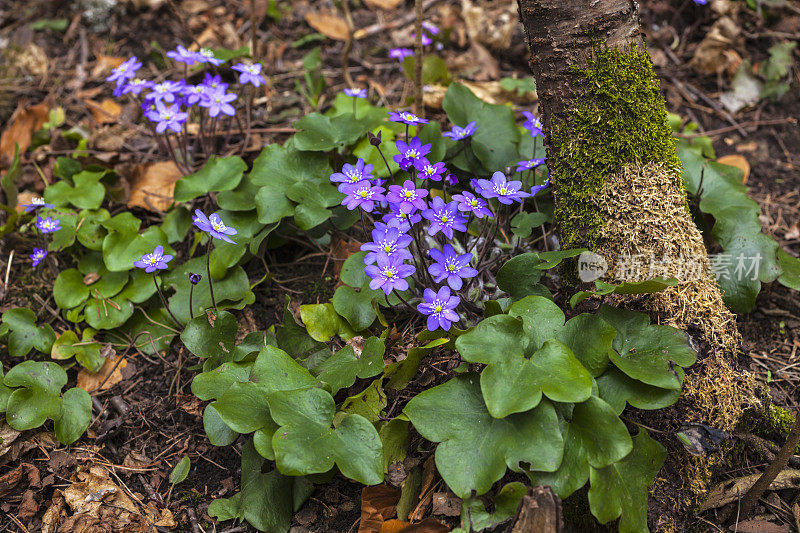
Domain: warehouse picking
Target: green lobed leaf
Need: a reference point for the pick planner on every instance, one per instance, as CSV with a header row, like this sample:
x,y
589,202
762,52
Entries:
x,y
790,270
75,417
24,335
590,338
617,389
322,133
217,431
475,448
218,174
87,193
206,340
306,443
474,516
323,322
354,360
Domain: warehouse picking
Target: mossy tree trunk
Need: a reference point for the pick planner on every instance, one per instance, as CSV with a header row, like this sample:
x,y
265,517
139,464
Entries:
x,y
619,191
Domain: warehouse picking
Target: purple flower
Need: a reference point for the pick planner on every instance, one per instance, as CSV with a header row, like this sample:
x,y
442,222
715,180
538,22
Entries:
x,y
250,74
194,93
169,117
36,203
536,188
458,133
182,55
214,82
429,171
407,197
362,194
213,225
426,40
389,273
701,2
194,279
530,164
125,71
48,225
206,55
38,256
356,93
406,118
451,266
219,102
166,91
451,179
154,261
438,307
388,241
533,124
431,27
469,203
444,217
506,192
353,173
401,53
410,152
401,220
135,86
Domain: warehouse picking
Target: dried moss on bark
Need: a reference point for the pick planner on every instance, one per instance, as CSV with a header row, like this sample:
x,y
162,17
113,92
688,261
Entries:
x,y
618,119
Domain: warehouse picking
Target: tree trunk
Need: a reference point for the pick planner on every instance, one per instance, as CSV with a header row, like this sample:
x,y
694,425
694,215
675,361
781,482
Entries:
x,y
619,191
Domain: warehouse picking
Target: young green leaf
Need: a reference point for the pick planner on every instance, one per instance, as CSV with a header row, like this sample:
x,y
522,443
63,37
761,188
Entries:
x,y
180,471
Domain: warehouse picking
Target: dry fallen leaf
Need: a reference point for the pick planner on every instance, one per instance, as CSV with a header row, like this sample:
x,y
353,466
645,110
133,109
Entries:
x,y
23,198
429,525
733,489
105,64
446,503
328,24
738,162
30,60
152,185
378,504
23,123
89,381
490,92
383,4
793,232
104,112
716,52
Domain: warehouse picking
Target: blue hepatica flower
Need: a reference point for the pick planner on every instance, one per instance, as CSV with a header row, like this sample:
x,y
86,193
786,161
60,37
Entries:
x,y
38,256
410,152
194,279
362,194
388,241
182,55
206,55
134,87
439,308
469,203
218,102
530,164
250,74
451,179
407,197
37,203
426,40
405,117
125,71
401,53
701,2
450,266
505,191
213,225
353,173
428,170
533,124
389,273
536,188
168,117
192,94
356,93
398,218
165,91
214,82
444,217
154,261
48,225
458,133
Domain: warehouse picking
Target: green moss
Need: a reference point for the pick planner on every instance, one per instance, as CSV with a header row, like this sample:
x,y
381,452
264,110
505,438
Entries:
x,y
618,118
773,423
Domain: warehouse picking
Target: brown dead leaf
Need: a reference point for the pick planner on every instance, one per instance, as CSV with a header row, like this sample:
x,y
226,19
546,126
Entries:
x,y
104,112
490,92
341,249
760,526
328,24
22,477
23,123
28,60
737,161
7,436
383,4
152,185
791,234
716,52
105,64
733,489
429,525
426,489
446,504
89,381
490,23
378,504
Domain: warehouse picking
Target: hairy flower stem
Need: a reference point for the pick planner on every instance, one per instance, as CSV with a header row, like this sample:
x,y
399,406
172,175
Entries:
x,y
489,240
363,226
164,301
354,108
247,103
415,234
403,300
389,170
191,309
208,272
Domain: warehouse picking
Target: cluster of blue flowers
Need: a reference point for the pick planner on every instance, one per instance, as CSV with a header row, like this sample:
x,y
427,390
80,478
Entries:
x,y
430,31
396,253
43,226
167,104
